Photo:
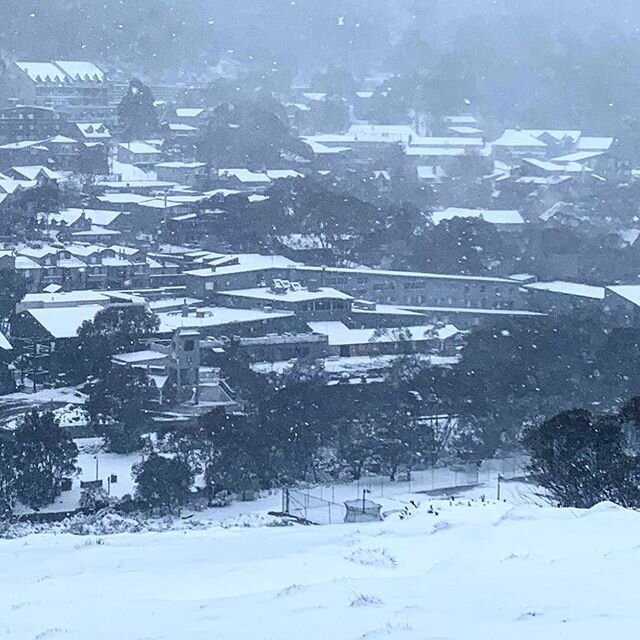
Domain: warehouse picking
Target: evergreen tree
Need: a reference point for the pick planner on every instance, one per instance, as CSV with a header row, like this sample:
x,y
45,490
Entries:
x,y
113,330
220,448
117,406
46,454
8,475
581,459
137,115
163,483
12,290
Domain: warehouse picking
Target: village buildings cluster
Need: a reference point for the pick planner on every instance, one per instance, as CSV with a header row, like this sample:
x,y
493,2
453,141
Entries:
x,y
58,128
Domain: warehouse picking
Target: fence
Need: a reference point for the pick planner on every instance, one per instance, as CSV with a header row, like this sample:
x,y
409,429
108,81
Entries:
x,y
324,504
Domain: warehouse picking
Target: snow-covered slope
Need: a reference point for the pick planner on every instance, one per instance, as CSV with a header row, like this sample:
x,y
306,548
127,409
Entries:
x,y
474,570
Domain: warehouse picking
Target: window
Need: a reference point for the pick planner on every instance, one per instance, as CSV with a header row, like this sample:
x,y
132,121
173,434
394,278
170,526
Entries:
x,y
189,345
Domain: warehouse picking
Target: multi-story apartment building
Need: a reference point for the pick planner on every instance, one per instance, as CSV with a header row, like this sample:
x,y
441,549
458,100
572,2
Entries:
x,y
383,286
79,89
20,122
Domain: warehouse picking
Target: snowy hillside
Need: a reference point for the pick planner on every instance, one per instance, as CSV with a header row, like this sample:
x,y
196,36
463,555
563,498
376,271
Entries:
x,y
472,570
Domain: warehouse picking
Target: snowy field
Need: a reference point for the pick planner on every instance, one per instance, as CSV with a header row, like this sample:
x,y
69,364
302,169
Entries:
x,y
473,570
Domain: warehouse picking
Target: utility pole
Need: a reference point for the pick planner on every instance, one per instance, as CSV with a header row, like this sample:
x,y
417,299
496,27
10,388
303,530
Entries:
x,y
499,479
364,501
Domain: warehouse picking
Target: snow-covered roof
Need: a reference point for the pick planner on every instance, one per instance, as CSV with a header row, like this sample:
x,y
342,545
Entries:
x,y
9,185
557,134
552,167
181,165
290,295
147,184
37,252
406,274
517,138
137,357
81,70
60,140
466,131
629,236
577,156
139,148
23,263
43,71
31,172
159,203
491,216
476,311
569,288
315,96
93,130
461,120
95,230
166,304
593,143
5,345
181,126
100,217
256,197
211,317
339,334
321,149
64,322
64,299
187,112
123,198
245,175
22,144
244,262
630,292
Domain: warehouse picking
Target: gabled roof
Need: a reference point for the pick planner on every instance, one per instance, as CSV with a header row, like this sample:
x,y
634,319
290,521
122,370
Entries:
x,y
64,322
557,134
630,292
100,217
93,130
32,172
517,138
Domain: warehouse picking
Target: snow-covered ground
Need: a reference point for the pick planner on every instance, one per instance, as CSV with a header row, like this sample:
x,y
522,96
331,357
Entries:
x,y
471,570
